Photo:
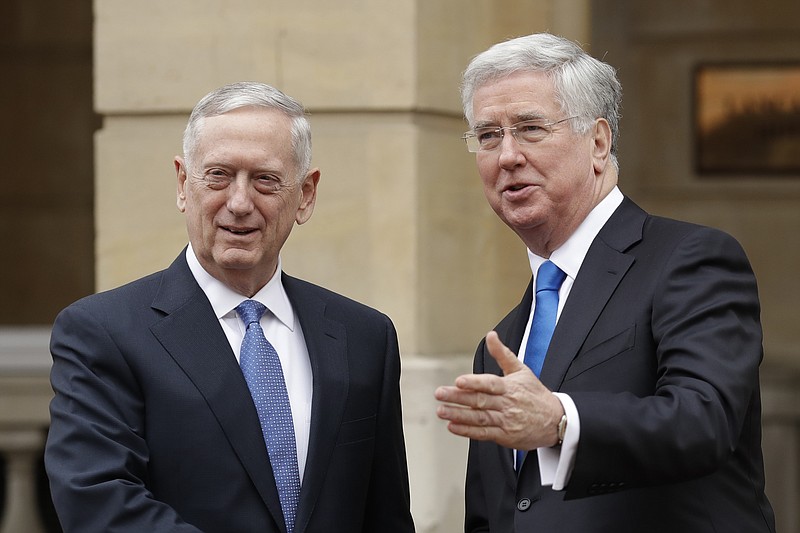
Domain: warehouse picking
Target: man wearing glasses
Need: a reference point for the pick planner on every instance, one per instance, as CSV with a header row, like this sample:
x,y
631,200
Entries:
x,y
621,394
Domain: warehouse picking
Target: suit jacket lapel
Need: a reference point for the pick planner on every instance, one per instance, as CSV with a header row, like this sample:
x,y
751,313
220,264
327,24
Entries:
x,y
510,330
326,340
191,334
605,265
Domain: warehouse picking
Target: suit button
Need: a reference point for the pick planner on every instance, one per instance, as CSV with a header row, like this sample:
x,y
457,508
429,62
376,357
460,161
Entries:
x,y
524,504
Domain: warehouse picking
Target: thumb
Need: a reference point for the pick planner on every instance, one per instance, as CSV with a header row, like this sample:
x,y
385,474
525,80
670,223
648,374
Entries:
x,y
508,360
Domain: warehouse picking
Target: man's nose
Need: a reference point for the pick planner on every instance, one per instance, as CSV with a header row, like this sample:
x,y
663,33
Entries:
x,y
240,200
510,151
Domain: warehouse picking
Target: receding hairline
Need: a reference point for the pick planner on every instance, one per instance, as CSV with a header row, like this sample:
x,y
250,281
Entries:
x,y
251,95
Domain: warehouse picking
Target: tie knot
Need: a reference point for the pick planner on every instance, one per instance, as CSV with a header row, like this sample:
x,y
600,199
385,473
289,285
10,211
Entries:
x,y
250,311
549,277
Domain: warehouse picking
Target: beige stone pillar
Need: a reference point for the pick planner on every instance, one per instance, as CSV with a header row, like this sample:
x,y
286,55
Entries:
x,y
25,394
21,448
401,223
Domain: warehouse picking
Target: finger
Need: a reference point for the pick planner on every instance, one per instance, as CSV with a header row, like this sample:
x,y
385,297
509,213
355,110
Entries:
x,y
444,393
486,383
508,360
474,432
469,398
465,416
450,394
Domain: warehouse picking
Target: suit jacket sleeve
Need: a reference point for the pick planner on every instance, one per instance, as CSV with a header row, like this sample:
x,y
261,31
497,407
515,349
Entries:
x,y
695,322
476,513
388,503
96,455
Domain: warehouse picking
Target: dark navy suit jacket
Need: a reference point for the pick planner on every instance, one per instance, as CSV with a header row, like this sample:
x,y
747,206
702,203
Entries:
x,y
154,430
659,345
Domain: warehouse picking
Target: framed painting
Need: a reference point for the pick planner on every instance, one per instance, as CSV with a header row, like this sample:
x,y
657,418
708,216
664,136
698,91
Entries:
x,y
747,118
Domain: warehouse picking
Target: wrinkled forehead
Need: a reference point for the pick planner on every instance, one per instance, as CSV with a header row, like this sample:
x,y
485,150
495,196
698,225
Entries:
x,y
514,98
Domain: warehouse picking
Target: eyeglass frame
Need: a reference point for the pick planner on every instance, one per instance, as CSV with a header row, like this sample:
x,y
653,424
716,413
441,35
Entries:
x,y
472,134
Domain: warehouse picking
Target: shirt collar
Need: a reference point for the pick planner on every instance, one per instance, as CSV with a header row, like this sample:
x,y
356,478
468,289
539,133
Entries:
x,y
569,256
224,300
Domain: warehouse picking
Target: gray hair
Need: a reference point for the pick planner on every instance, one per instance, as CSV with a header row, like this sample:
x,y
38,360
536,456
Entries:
x,y
250,94
584,86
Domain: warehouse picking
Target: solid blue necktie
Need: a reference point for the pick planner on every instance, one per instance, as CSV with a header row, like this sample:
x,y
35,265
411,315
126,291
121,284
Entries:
x,y
262,371
548,281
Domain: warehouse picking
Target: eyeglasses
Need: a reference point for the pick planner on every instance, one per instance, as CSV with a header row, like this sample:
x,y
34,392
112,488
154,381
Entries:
x,y
525,132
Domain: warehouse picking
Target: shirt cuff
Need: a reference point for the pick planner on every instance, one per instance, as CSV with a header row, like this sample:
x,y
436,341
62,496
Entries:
x,y
555,464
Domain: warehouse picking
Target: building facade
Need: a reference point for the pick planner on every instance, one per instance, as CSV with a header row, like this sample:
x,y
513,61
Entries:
x,y
98,94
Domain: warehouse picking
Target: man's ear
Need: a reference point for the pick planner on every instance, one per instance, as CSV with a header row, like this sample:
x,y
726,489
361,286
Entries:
x,y
601,146
308,190
180,171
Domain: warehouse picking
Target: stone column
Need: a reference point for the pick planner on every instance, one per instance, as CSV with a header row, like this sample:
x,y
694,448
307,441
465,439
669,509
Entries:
x,y
401,223
21,448
780,406
25,394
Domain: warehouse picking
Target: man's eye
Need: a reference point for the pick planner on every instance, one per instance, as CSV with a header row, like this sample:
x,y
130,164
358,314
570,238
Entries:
x,y
216,178
488,135
529,128
268,180
268,183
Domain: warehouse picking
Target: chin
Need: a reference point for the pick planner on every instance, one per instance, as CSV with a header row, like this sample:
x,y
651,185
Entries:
x,y
237,259
520,217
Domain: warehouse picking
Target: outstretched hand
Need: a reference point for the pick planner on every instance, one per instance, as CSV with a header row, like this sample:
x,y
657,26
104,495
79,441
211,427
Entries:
x,y
514,410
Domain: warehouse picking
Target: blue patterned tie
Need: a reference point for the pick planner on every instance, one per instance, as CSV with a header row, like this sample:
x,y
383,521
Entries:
x,y
548,281
262,371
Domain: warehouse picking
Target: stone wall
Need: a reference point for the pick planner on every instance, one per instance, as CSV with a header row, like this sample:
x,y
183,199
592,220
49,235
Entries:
x,y
401,223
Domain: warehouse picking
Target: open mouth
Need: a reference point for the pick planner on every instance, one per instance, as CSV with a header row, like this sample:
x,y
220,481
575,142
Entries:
x,y
517,187
238,231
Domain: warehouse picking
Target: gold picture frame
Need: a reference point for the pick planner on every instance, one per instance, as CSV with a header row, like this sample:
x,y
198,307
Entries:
x,y
747,118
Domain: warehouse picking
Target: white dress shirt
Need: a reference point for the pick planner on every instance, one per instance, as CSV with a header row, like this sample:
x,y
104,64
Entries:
x,y
555,464
283,331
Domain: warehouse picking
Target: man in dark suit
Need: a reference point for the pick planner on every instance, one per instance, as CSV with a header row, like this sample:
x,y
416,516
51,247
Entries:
x,y
645,416
154,427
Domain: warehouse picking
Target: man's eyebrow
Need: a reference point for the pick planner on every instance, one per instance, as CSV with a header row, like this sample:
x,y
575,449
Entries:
x,y
484,124
533,115
522,117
